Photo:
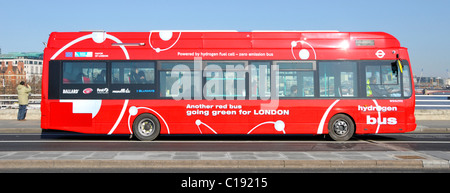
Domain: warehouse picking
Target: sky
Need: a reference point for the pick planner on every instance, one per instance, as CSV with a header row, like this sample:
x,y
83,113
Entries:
x,y
421,26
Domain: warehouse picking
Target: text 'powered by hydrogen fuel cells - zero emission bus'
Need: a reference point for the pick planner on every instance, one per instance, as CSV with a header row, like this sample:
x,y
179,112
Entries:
x,y
227,82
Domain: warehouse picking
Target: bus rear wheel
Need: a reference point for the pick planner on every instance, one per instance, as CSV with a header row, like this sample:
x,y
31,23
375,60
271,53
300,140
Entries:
x,y
146,127
341,127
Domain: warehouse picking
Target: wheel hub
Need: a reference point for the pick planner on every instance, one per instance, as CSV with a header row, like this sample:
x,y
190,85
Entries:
x,y
340,127
146,127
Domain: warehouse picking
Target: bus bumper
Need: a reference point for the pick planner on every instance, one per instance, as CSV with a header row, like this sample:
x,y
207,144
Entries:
x,y
410,127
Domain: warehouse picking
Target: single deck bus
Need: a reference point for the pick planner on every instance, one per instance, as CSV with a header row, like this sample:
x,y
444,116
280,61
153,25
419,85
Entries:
x,y
227,82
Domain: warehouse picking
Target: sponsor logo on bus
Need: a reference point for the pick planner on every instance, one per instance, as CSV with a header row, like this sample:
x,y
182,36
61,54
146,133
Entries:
x,y
144,91
121,91
102,91
70,91
88,90
83,54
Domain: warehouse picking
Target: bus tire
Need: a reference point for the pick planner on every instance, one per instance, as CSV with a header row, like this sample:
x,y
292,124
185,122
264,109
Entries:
x,y
341,127
146,127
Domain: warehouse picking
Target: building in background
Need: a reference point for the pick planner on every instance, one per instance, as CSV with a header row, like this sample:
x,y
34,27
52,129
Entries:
x,y
429,82
20,66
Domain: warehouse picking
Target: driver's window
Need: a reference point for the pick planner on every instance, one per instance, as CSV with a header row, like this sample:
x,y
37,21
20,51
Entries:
x,y
382,80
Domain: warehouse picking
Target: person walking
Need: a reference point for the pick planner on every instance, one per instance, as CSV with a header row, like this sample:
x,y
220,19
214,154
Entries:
x,y
23,90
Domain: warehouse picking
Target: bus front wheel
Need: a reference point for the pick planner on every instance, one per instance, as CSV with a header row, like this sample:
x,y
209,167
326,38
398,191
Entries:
x,y
341,127
146,127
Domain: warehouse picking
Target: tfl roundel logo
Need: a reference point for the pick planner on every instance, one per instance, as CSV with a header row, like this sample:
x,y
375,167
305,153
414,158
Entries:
x,y
380,54
87,90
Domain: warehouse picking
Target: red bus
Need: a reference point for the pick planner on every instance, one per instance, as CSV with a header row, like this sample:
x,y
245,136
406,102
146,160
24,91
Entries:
x,y
227,82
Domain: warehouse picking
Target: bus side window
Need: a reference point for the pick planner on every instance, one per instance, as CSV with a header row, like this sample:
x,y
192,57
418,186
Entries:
x,y
225,80
296,79
338,79
260,80
179,80
133,73
84,72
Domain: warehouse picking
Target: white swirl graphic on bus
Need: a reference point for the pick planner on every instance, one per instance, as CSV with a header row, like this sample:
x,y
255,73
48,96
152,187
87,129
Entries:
x,y
278,125
165,36
304,53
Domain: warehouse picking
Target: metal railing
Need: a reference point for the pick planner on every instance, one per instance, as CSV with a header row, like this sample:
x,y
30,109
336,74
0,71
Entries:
x,y
11,101
432,101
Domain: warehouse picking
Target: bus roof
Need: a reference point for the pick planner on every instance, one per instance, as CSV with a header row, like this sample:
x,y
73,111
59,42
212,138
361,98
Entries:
x,y
163,42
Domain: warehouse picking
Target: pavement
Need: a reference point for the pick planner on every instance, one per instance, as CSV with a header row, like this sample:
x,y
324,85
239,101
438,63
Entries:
x,y
15,126
221,160
395,159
